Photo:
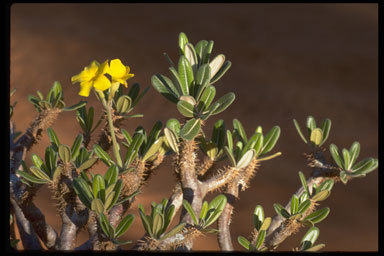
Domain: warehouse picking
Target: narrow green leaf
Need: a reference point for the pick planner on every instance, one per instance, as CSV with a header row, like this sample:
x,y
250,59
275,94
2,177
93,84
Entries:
x,y
109,199
133,148
158,223
206,98
75,149
111,175
56,173
185,74
224,68
145,221
347,159
239,130
230,156
343,177
335,155
246,159
103,156
207,52
304,182
160,85
204,210
229,141
326,185
39,173
322,195
171,139
123,104
243,242
53,137
169,214
280,210
365,166
270,139
325,127
260,239
105,225
173,231
294,204
76,106
190,129
224,102
266,223
311,124
311,237
174,125
183,40
37,161
98,186
124,225
354,152
259,141
153,149
64,153
315,248
185,108
191,55
218,134
30,177
299,130
318,215
190,210
202,80
200,50
97,206
304,205
176,81
87,164
258,217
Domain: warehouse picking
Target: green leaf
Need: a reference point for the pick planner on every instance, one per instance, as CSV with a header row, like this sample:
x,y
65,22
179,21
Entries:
x,y
299,130
224,68
109,199
259,140
325,127
258,217
53,137
354,152
39,173
173,231
185,74
76,106
169,214
230,156
311,124
145,221
244,242
105,225
174,125
190,210
191,56
111,175
162,85
202,80
294,204
322,195
310,237
103,156
207,52
246,159
347,159
206,98
280,210
50,160
229,141
153,149
37,161
176,81
335,155
343,177
200,50
303,206
316,136
185,108
204,210
304,182
124,225
270,139
82,190
97,206
326,185
239,130
190,129
218,134
224,102
30,177
56,173
87,164
171,139
65,153
218,203
365,166
183,40
318,215
123,104
315,248
75,149
98,186
158,223
133,148
260,239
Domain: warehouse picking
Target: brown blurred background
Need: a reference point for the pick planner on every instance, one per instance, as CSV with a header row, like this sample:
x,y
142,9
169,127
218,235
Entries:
x,y
288,61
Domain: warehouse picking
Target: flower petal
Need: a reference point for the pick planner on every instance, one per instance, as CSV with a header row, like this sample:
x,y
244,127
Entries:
x,y
117,69
103,68
85,88
102,83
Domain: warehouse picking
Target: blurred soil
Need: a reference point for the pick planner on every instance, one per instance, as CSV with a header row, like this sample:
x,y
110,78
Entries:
x,y
288,61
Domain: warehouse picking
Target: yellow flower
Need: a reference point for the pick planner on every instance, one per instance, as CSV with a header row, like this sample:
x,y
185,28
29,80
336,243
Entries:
x,y
119,72
92,76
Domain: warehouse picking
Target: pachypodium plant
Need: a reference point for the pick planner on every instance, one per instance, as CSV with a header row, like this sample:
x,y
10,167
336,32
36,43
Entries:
x,y
96,179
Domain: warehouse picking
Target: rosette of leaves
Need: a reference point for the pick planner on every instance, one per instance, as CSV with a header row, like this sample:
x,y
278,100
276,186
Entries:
x,y
190,86
245,149
210,212
315,135
309,239
124,103
100,193
113,233
54,99
347,162
300,204
214,147
157,223
261,226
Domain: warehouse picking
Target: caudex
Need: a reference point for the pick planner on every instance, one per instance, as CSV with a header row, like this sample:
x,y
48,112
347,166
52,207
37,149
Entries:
x,y
230,159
